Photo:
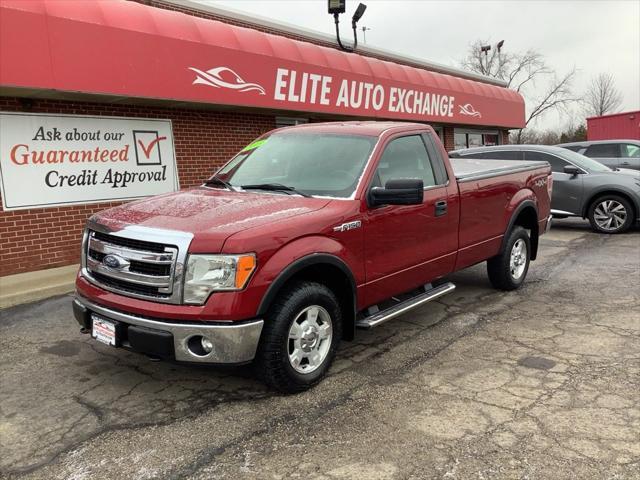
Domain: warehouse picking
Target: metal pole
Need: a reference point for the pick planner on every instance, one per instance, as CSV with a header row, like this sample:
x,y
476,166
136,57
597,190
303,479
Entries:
x,y
364,34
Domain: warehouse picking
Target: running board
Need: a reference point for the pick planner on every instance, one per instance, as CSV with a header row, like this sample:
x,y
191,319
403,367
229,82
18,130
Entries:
x,y
403,307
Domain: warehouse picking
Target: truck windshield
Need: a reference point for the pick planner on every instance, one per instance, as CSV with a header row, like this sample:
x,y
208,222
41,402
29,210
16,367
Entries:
x,y
311,163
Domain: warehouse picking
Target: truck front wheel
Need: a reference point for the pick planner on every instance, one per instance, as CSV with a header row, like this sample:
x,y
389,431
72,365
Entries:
x,y
300,337
508,270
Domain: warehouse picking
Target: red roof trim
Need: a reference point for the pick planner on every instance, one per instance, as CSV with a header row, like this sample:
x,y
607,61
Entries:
x,y
130,49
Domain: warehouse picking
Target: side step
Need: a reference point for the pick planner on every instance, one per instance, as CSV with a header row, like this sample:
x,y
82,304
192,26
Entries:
x,y
403,307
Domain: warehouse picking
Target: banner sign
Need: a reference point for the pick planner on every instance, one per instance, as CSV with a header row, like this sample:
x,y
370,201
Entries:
x,y
228,65
56,160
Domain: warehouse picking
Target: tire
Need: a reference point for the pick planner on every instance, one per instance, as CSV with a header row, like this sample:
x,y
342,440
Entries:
x,y
505,274
278,352
610,214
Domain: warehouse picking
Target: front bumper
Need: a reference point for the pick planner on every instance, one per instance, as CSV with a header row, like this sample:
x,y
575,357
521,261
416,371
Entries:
x,y
233,342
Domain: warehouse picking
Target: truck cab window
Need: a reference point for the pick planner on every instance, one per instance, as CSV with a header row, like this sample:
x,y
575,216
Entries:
x,y
404,158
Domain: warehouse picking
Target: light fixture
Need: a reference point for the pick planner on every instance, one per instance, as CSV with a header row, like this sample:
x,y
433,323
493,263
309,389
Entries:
x,y
335,8
358,14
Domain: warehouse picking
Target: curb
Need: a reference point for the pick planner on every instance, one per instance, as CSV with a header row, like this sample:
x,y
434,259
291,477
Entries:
x,y
31,286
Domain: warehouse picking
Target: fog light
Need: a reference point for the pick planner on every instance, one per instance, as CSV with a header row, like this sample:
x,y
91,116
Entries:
x,y
207,345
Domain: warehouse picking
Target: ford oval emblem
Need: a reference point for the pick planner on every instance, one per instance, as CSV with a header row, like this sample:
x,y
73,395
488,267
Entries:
x,y
115,261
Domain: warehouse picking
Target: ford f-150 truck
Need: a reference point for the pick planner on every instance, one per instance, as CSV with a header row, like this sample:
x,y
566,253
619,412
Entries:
x,y
307,234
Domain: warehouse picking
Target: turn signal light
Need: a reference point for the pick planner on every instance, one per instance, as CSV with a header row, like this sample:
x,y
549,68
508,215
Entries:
x,y
244,268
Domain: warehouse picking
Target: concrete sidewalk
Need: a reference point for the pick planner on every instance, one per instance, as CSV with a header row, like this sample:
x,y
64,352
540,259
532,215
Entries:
x,y
31,286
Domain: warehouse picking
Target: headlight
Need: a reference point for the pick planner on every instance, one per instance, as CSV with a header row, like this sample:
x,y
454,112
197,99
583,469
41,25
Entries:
x,y
211,273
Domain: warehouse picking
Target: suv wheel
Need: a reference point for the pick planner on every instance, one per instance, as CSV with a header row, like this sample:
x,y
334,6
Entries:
x,y
300,337
508,270
610,214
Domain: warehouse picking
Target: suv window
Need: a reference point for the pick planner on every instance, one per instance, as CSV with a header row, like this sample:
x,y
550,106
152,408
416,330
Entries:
x,y
557,164
574,148
405,157
474,155
503,155
603,150
630,151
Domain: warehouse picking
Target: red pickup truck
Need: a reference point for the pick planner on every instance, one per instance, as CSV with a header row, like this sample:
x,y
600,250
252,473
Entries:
x,y
307,234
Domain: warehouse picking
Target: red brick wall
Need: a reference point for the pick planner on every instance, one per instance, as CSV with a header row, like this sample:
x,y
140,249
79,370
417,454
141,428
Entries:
x,y
41,238
449,143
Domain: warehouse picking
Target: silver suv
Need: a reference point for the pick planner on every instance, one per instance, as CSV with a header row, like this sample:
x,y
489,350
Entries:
x,y
582,187
612,153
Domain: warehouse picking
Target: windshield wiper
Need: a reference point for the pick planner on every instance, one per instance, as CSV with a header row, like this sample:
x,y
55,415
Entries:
x,y
276,187
219,181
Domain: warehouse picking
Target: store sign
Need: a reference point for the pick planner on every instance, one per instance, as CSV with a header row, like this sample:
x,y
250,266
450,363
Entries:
x,y
54,160
300,89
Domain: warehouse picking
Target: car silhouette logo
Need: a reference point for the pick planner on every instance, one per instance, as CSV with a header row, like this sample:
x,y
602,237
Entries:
x,y
115,262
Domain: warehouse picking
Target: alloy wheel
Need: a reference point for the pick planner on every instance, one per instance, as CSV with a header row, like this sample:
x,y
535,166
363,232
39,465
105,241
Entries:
x,y
309,339
610,215
518,261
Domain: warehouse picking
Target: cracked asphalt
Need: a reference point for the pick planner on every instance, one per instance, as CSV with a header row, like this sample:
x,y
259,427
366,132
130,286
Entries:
x,y
542,383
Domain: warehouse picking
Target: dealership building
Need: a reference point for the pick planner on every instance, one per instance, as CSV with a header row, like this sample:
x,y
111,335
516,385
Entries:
x,y
103,102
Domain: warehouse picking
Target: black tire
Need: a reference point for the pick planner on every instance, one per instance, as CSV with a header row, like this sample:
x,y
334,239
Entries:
x,y
272,363
499,267
600,201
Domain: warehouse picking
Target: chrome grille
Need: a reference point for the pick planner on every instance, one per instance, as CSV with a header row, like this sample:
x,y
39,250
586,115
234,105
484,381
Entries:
x,y
131,262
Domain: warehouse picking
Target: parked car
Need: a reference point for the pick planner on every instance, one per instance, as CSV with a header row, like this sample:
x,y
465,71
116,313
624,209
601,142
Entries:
x,y
582,187
612,153
306,234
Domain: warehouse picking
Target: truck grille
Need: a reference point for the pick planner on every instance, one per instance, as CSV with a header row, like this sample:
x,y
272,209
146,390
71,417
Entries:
x,y
130,266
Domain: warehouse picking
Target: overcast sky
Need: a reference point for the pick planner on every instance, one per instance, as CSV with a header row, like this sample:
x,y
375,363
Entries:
x,y
595,36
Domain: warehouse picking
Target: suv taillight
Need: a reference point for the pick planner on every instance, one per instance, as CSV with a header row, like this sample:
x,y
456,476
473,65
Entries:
x,y
550,185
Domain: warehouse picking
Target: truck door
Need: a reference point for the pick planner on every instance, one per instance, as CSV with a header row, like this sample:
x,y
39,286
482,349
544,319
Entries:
x,y
568,189
409,245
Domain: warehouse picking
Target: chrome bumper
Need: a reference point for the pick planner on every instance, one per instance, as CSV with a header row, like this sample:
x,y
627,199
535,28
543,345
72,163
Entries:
x,y
548,226
232,342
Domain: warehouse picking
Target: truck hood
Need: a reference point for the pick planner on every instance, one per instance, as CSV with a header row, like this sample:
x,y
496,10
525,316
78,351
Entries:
x,y
210,214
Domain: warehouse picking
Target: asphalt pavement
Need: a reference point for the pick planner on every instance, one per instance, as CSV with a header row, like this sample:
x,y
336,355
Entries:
x,y
541,383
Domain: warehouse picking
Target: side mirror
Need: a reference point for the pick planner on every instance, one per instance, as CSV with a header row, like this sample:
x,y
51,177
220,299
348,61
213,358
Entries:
x,y
398,192
572,170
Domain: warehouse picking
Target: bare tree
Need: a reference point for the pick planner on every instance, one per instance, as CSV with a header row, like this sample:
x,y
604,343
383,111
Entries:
x,y
526,73
602,96
517,69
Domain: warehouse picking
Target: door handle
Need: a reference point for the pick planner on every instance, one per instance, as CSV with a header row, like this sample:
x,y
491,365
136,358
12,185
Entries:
x,y
441,208
625,163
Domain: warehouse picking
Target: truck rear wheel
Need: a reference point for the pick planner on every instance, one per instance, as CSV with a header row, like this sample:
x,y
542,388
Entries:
x,y
508,270
300,337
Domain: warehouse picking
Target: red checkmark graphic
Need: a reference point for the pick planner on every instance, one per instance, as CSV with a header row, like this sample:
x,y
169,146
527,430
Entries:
x,y
148,148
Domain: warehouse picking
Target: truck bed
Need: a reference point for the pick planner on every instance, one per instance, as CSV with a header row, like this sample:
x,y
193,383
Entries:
x,y
467,169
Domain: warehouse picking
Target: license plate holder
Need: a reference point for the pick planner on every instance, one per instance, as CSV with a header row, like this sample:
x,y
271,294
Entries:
x,y
104,330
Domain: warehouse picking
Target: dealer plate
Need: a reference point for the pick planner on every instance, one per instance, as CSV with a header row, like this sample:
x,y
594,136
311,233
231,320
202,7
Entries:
x,y
103,330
